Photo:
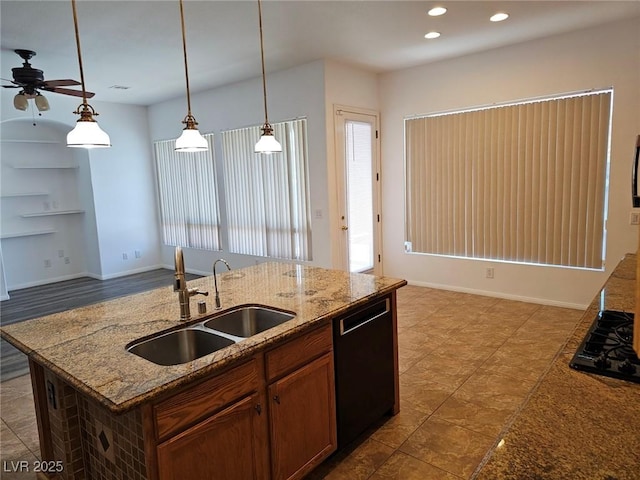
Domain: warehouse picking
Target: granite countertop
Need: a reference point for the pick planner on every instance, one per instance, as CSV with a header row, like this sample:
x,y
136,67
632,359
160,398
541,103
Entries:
x,y
86,346
576,425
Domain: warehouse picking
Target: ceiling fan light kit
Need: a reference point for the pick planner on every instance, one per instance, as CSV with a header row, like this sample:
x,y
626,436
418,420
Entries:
x,y
87,133
267,143
191,140
31,80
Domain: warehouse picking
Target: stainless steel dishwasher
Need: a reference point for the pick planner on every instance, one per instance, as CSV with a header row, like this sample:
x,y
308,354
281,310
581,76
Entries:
x,y
364,362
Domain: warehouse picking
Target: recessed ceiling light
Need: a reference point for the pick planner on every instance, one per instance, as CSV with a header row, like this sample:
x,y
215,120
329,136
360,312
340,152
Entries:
x,y
498,17
437,11
432,35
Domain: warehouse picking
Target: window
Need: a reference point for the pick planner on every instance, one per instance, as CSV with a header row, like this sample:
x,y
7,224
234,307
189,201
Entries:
x,y
188,198
523,182
268,195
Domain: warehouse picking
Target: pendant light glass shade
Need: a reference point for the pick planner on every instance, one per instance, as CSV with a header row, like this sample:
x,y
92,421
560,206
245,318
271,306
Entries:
x,y
87,133
191,140
267,143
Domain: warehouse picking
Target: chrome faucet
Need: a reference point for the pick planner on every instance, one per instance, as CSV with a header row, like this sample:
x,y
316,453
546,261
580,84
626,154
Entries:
x,y
215,280
180,286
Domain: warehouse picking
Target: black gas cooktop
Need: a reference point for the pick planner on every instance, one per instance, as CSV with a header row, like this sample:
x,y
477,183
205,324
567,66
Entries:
x,y
607,347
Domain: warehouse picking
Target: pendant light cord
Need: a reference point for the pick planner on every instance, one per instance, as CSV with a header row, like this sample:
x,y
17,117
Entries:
x,y
75,25
264,75
186,68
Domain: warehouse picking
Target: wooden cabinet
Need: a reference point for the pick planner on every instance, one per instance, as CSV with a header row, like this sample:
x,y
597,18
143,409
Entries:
x,y
302,419
302,414
227,445
270,417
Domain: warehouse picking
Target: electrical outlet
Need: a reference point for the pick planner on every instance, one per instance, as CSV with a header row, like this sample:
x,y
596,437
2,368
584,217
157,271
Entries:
x,y
125,256
138,253
490,272
318,213
47,263
60,253
634,218
67,260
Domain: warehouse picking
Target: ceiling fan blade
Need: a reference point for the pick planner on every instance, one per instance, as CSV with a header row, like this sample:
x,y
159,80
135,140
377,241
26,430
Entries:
x,y
61,83
10,86
68,91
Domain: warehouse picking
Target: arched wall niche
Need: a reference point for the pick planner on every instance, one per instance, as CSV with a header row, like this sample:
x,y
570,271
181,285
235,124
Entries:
x,y
47,218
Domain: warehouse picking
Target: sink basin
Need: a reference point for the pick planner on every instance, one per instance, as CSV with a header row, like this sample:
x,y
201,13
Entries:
x,y
247,321
180,346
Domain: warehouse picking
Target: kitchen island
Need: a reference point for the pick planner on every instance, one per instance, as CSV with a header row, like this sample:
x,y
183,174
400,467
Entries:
x,y
576,425
105,413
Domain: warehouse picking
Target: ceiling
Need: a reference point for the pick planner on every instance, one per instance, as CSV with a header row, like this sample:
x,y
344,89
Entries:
x,y
137,44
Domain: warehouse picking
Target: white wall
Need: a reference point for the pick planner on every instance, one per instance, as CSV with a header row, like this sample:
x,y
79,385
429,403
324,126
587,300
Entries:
x,y
117,190
293,93
593,58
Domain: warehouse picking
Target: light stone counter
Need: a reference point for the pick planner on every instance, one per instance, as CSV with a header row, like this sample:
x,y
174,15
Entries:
x,y
576,425
86,347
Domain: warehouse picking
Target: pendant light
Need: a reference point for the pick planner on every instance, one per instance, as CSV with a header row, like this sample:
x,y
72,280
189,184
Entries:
x,y
267,143
190,140
87,133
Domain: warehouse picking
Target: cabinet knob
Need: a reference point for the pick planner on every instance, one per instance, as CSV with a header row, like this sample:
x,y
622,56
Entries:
x,y
276,399
258,408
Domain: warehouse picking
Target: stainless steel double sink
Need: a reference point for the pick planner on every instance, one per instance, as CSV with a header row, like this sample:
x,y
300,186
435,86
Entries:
x,y
212,334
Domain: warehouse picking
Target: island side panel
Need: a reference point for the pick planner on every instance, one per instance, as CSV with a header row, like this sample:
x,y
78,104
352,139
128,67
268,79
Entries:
x,y
42,415
90,441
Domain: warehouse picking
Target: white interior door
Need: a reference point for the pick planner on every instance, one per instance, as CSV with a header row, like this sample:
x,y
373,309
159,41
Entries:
x,y
358,189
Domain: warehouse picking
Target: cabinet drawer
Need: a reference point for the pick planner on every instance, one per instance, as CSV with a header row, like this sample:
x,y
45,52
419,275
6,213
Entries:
x,y
186,408
291,355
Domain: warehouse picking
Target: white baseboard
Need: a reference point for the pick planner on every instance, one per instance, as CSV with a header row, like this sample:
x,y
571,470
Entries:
x,y
124,273
62,278
46,281
520,298
189,270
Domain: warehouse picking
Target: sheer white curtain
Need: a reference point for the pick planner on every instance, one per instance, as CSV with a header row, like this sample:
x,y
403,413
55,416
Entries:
x,y
188,198
523,182
267,196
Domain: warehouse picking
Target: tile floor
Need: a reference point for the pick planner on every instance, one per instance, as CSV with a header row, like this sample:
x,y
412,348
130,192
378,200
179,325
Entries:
x,y
467,362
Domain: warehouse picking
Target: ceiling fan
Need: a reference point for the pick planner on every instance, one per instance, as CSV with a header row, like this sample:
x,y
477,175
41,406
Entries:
x,y
31,80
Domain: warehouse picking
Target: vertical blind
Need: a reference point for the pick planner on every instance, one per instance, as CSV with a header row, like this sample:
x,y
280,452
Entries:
x,y
268,211
188,199
524,182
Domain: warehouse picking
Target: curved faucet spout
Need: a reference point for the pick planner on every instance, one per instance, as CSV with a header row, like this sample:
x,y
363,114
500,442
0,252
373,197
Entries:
x,y
215,280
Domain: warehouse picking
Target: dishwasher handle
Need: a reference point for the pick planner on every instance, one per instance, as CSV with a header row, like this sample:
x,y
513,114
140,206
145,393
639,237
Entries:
x,y
353,322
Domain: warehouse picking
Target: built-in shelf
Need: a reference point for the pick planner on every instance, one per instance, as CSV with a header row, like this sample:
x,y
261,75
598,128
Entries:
x,y
27,234
24,194
29,140
52,167
53,212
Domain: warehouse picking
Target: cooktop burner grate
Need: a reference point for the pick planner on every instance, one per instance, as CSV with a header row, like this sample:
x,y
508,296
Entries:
x,y
607,347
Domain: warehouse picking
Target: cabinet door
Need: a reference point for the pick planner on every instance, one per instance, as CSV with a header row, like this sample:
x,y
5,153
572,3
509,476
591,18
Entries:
x,y
302,417
228,445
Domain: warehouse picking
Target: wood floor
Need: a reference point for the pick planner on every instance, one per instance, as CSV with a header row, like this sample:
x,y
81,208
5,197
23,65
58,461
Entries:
x,y
57,297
